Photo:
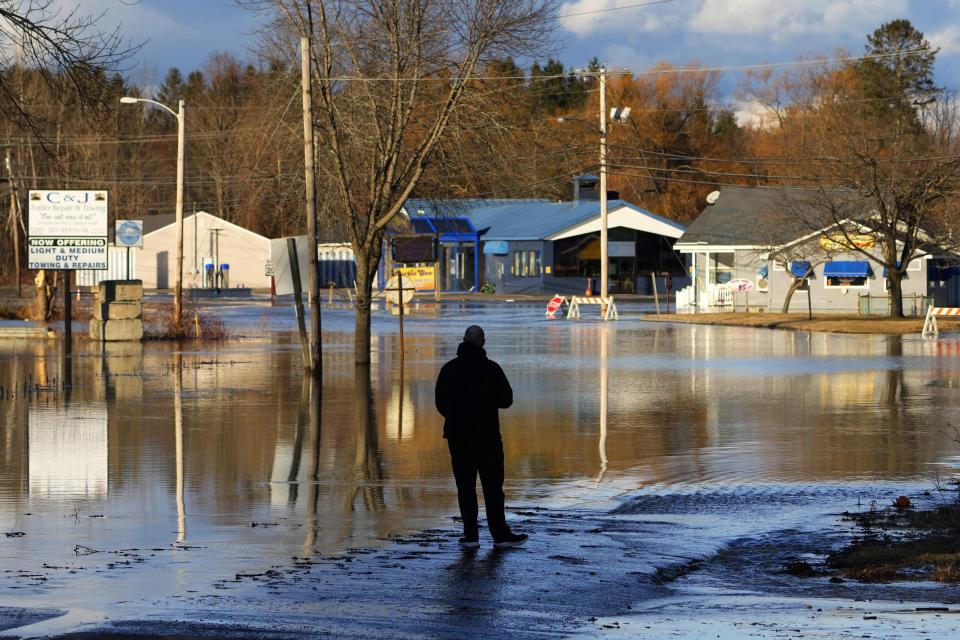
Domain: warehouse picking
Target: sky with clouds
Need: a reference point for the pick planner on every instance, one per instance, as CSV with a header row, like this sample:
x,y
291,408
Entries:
x,y
183,33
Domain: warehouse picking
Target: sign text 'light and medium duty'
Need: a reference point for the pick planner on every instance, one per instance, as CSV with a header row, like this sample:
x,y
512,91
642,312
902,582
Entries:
x,y
68,230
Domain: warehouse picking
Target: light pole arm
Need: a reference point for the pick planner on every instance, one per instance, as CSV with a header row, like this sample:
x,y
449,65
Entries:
x,y
161,105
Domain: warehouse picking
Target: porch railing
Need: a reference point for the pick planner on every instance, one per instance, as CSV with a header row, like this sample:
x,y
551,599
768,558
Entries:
x,y
716,296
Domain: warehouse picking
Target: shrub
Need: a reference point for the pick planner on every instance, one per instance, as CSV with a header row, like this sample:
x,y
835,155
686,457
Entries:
x,y
195,324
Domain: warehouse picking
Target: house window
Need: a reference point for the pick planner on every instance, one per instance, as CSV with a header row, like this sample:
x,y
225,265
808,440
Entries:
x,y
526,264
843,282
720,267
845,274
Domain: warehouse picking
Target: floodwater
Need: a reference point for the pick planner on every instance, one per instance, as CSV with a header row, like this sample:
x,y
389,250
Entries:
x,y
171,473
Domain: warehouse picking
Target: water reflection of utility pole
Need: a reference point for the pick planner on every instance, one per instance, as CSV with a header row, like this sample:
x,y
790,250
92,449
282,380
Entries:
x,y
604,347
178,430
312,389
293,477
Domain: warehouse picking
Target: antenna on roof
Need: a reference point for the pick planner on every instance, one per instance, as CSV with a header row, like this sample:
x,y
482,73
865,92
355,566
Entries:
x,y
712,197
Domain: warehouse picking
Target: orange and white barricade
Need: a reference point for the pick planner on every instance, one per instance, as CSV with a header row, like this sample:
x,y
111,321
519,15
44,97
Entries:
x,y
930,329
605,303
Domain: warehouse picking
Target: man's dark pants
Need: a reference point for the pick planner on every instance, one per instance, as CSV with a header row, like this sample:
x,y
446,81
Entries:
x,y
485,458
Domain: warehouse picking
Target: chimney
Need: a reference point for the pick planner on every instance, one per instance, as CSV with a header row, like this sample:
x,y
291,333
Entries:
x,y
586,187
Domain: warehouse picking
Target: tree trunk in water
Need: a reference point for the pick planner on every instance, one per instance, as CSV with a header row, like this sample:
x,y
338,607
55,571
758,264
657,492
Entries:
x,y
45,300
793,289
368,261
361,333
895,290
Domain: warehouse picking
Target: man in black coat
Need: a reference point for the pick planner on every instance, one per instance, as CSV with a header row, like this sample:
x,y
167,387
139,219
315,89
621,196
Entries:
x,y
471,389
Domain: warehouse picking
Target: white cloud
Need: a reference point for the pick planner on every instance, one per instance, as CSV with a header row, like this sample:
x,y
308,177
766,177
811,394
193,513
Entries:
x,y
777,19
585,17
947,39
767,20
755,115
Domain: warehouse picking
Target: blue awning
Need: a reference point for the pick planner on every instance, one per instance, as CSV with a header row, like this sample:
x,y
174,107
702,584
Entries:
x,y
496,247
799,268
847,269
764,270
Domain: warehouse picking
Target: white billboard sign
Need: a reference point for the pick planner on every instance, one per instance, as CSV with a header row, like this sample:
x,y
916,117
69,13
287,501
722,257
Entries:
x,y
67,230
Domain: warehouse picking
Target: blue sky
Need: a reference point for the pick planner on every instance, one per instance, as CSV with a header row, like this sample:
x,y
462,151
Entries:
x,y
183,33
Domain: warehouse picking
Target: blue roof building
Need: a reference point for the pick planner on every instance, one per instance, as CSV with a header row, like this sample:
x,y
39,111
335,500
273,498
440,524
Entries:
x,y
538,246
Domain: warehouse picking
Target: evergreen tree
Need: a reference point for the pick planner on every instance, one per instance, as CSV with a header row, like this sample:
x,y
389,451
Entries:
x,y
901,80
171,90
552,89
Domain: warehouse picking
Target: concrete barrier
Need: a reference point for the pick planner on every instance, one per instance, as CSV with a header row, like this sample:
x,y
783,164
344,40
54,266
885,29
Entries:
x,y
118,312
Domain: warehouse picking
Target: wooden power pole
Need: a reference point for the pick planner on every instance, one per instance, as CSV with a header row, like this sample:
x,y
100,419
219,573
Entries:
x,y
311,195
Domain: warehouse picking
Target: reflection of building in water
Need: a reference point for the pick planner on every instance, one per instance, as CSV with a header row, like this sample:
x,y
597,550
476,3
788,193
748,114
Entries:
x,y
122,370
68,451
399,416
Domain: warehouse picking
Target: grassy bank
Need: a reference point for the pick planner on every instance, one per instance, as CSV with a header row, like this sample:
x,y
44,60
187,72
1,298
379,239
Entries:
x,y
827,323
902,544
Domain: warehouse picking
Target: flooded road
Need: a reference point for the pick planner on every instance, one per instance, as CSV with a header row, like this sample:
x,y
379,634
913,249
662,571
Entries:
x,y
175,478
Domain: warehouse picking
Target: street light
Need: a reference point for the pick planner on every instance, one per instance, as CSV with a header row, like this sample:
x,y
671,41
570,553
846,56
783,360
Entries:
x,y
617,115
180,115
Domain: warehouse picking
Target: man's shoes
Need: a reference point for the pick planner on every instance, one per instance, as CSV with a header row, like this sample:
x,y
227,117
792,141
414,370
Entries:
x,y
469,543
510,540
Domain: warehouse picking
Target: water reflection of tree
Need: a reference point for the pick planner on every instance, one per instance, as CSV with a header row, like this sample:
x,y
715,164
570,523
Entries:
x,y
895,394
368,462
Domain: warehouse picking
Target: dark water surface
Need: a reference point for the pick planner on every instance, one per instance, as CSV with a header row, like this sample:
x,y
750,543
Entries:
x,y
170,469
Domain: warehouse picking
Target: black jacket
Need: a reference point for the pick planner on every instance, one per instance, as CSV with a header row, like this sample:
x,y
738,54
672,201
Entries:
x,y
470,390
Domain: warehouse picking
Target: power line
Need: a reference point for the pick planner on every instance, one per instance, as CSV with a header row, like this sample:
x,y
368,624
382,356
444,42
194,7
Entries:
x,y
725,174
620,8
654,72
812,160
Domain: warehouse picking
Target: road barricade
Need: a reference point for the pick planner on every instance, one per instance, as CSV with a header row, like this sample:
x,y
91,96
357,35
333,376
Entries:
x,y
930,329
605,303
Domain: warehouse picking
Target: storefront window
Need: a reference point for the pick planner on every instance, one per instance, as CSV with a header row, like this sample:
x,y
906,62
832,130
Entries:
x,y
526,264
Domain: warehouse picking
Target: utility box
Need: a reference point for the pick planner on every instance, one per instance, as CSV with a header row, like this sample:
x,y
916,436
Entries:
x,y
118,312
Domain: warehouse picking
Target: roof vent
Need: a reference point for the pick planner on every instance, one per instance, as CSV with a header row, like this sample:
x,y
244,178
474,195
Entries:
x,y
712,197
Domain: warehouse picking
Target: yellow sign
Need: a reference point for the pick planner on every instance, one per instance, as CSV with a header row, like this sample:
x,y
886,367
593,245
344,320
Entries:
x,y
422,277
840,242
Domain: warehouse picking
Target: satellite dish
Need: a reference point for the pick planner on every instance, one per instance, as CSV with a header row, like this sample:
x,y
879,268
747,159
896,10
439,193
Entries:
x,y
712,197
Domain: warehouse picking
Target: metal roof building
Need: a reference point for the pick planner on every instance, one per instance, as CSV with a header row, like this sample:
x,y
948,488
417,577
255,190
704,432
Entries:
x,y
538,246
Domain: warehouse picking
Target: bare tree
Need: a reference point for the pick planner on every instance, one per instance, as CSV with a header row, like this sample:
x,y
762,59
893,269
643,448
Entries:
x,y
390,76
896,184
66,47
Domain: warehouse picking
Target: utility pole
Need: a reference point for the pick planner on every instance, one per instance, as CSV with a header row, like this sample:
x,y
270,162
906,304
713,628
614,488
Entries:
x,y
437,252
217,271
316,363
604,259
181,144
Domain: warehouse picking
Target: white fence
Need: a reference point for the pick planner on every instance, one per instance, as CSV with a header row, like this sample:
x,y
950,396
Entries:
x,y
716,295
116,268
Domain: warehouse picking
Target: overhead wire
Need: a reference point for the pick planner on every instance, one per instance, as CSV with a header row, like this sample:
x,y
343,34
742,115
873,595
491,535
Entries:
x,y
656,71
811,160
